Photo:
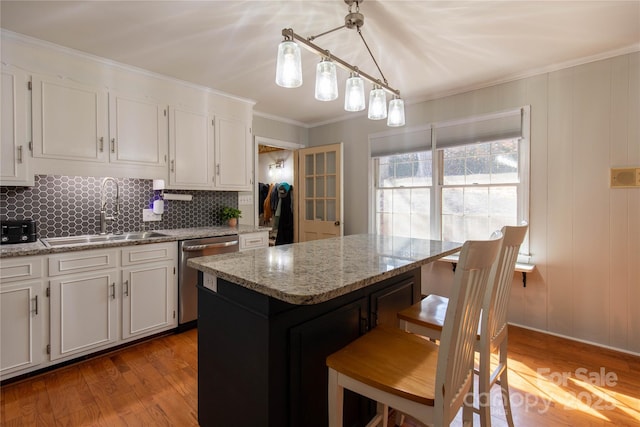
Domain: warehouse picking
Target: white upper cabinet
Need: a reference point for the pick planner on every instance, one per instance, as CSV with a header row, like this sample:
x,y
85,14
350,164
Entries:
x,y
191,148
93,118
14,145
69,120
137,131
233,156
86,130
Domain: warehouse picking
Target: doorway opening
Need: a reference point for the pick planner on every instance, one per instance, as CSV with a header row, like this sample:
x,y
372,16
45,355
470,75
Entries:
x,y
275,191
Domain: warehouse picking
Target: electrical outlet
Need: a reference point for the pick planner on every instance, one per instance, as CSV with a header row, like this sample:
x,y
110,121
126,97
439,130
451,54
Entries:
x,y
210,282
148,215
245,199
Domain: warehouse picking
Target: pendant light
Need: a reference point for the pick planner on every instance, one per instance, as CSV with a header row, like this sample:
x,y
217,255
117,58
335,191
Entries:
x,y
354,93
396,112
289,73
377,103
289,65
326,81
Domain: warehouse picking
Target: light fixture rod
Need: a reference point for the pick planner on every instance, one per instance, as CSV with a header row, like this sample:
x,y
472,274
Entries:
x,y
326,32
372,57
289,34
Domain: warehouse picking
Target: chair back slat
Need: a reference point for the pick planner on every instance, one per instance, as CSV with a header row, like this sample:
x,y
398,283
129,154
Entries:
x,y
455,363
495,306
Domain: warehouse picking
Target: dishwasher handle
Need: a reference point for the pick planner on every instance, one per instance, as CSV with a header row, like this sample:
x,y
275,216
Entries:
x,y
195,248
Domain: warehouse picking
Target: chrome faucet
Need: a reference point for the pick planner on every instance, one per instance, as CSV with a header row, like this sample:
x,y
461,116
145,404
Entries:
x,y
103,205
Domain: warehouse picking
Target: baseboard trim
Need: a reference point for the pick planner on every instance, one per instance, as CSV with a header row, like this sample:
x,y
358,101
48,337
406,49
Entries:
x,y
595,344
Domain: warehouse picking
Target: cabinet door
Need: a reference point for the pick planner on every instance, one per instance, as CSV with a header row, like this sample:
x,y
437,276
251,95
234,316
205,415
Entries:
x,y
14,154
233,155
83,313
386,303
138,132
311,343
21,324
148,299
69,120
191,147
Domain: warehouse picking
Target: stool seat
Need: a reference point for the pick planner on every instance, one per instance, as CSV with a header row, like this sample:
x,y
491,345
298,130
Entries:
x,y
429,313
393,361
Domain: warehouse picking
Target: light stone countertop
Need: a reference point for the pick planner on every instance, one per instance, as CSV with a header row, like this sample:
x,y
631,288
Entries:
x,y
320,270
171,235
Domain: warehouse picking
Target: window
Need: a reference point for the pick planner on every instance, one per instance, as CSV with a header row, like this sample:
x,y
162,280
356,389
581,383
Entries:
x,y
479,189
476,182
403,194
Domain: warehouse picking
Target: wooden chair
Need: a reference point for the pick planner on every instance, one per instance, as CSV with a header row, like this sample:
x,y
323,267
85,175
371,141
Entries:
x,y
426,318
404,371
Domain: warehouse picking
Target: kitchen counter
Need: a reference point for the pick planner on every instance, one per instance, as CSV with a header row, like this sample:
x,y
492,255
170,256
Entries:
x,y
171,235
268,318
320,270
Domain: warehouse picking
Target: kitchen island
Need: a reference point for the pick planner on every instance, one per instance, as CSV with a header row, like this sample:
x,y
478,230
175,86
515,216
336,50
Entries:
x,y
268,318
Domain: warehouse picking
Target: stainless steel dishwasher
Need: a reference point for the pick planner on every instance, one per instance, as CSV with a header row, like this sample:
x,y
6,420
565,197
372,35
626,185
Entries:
x,y
188,277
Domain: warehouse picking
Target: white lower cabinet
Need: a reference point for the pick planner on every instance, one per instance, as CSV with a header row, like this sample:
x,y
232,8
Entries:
x,y
84,313
149,289
22,315
259,239
97,299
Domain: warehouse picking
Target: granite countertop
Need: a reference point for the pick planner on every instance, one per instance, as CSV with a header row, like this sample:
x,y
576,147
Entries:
x,y
320,270
171,235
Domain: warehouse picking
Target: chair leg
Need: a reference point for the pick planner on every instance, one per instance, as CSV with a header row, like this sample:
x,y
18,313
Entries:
x,y
504,384
484,388
336,400
467,412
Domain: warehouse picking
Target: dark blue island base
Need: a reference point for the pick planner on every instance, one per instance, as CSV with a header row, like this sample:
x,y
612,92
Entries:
x,y
261,361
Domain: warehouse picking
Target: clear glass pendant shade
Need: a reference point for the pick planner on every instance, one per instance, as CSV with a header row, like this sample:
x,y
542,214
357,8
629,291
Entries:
x,y
289,65
396,113
354,94
377,104
326,81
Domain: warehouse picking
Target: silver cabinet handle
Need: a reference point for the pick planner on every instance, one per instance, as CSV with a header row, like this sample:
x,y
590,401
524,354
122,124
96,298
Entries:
x,y
218,169
113,290
173,165
126,288
36,308
101,144
113,145
20,154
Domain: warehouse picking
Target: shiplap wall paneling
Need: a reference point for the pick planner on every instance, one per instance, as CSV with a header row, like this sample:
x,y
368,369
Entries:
x,y
619,257
591,237
536,292
633,194
560,202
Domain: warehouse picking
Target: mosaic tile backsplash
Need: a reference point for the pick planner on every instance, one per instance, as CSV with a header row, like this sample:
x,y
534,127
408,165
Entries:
x,y
70,205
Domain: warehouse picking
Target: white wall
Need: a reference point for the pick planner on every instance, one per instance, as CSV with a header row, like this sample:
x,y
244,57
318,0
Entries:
x,y
584,236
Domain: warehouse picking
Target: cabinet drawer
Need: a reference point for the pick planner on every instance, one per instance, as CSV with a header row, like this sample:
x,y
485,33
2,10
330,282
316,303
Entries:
x,y
22,268
149,253
254,240
77,262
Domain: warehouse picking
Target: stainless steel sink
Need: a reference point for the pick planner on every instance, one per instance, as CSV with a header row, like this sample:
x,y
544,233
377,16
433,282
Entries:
x,y
99,238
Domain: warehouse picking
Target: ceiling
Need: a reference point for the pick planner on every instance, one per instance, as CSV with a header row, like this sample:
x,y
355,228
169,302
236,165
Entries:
x,y
426,49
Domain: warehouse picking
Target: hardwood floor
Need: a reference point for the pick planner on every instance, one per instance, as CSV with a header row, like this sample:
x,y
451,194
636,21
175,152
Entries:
x,y
554,382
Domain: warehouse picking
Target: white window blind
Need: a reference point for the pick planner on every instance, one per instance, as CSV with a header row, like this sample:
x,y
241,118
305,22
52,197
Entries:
x,y
496,127
493,127
408,141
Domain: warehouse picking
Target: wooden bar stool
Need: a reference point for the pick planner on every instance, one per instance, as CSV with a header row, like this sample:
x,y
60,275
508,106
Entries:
x,y
411,374
426,318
